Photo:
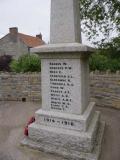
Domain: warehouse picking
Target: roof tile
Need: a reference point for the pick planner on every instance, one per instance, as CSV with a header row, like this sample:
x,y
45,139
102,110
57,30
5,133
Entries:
x,y
30,41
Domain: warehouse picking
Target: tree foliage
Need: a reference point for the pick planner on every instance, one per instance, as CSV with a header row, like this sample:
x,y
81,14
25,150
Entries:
x,y
100,18
111,49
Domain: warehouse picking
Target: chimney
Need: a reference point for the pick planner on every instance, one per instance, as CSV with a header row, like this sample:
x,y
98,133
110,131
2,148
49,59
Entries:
x,y
39,36
13,31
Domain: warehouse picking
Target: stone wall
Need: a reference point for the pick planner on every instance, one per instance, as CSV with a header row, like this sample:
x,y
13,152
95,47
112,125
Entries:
x,y
104,88
18,87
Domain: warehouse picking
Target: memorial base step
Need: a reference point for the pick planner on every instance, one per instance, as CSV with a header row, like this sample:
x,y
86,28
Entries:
x,y
65,139
73,154
65,120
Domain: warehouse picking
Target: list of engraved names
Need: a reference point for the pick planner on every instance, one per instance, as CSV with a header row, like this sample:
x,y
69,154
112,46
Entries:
x,y
61,83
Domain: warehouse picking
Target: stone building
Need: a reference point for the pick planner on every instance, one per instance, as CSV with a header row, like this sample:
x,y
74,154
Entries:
x,y
16,44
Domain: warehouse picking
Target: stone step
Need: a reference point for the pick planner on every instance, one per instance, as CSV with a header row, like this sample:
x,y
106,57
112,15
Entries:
x,y
65,120
57,138
75,155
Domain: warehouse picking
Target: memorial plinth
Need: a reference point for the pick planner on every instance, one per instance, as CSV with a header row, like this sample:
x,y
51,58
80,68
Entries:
x,y
66,124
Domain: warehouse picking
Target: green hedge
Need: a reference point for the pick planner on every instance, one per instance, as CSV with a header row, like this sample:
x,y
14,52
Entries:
x,y
103,63
32,63
26,63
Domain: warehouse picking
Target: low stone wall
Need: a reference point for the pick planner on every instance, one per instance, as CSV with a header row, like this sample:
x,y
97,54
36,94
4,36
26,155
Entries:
x,y
18,87
104,88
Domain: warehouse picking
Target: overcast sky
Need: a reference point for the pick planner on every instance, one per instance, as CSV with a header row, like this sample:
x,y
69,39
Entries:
x,y
30,16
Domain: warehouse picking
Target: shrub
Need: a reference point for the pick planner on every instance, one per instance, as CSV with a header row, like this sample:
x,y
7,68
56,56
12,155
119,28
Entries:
x,y
98,62
5,61
15,67
103,63
114,64
26,63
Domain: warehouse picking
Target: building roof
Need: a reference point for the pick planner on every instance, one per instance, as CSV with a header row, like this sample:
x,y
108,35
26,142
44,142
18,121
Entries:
x,y
30,40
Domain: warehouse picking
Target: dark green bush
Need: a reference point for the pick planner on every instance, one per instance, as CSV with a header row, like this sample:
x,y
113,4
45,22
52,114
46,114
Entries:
x,y
107,56
114,64
26,63
5,60
98,62
103,63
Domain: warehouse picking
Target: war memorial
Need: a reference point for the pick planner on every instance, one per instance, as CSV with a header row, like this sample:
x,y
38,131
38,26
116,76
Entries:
x,y
66,124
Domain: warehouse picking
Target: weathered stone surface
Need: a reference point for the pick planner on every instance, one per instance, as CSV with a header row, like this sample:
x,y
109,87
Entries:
x,y
71,155
105,89
15,87
64,120
65,21
65,85
53,49
69,140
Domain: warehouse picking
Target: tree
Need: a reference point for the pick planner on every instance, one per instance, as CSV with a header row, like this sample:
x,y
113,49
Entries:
x,y
111,49
107,57
100,18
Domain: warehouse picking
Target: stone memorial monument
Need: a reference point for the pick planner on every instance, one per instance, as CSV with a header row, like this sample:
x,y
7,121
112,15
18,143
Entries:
x,y
66,124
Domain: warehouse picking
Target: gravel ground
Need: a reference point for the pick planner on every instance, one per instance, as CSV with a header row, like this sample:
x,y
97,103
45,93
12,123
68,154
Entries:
x,y
14,115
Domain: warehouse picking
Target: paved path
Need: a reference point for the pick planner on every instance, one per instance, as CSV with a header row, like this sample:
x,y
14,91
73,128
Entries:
x,y
14,115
